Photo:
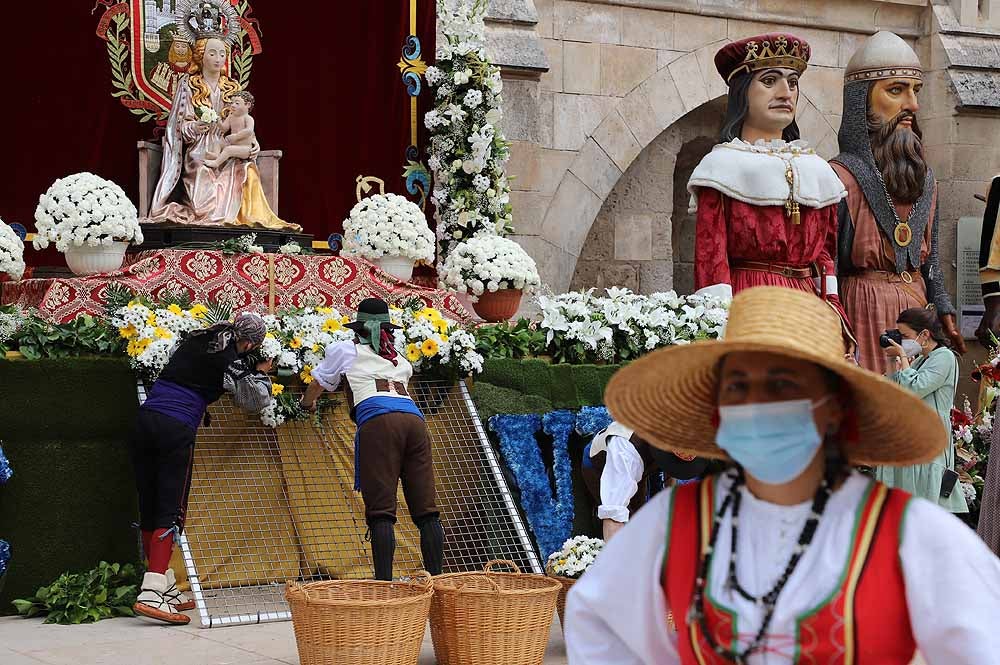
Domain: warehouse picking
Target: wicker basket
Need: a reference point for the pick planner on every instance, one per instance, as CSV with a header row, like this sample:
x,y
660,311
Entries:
x,y
567,584
488,617
360,622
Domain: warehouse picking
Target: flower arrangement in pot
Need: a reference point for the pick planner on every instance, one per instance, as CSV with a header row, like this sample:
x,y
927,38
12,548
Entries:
x,y
11,253
389,230
90,220
569,563
496,272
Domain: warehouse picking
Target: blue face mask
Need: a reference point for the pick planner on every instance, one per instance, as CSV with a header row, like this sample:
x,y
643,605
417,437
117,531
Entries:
x,y
773,441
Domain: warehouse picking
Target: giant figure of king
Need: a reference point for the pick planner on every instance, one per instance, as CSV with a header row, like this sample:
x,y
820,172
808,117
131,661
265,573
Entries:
x,y
888,248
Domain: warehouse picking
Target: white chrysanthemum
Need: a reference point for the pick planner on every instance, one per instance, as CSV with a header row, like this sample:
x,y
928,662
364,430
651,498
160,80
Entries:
x,y
388,225
11,252
491,263
85,209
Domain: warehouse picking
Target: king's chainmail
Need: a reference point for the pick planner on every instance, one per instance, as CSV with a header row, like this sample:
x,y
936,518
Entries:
x,y
857,157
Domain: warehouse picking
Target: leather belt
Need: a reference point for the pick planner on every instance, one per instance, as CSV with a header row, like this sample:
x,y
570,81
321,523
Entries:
x,y
799,272
887,276
395,387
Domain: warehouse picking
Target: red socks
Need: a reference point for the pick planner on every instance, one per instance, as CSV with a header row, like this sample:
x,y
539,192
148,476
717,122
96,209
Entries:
x,y
160,547
147,542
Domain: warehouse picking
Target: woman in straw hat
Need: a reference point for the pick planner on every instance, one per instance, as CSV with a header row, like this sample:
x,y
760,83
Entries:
x,y
789,556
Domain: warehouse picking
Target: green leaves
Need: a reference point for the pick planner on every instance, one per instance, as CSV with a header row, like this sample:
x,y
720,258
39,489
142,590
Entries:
x,y
510,341
84,335
109,590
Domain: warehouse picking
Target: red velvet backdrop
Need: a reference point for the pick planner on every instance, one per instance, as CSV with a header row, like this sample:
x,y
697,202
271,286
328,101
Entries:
x,y
328,89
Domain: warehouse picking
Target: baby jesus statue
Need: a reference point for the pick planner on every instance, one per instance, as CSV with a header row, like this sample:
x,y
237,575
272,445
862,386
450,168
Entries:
x,y
237,131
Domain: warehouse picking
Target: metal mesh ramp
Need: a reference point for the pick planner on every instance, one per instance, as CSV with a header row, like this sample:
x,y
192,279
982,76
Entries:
x,y
269,505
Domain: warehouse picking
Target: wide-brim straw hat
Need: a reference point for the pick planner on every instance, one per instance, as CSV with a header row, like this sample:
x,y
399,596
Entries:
x,y
670,396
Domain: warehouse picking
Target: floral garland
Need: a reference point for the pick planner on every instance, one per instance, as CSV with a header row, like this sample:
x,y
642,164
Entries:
x,y
6,472
296,340
550,518
11,252
467,149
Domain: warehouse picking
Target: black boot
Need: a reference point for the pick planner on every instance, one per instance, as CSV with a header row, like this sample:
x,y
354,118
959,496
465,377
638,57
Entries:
x,y
383,548
432,544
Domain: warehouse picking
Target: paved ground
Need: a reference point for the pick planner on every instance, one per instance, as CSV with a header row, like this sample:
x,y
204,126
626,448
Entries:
x,y
136,642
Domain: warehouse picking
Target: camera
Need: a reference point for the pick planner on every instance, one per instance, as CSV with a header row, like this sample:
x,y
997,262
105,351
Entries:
x,y
886,339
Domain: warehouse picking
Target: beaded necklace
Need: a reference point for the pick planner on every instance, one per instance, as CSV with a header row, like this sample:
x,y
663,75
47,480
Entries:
x,y
769,599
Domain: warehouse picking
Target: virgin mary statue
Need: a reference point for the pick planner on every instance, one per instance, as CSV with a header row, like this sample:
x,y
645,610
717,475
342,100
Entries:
x,y
189,191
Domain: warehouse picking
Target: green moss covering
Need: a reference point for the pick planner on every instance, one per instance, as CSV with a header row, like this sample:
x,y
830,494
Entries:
x,y
71,501
565,386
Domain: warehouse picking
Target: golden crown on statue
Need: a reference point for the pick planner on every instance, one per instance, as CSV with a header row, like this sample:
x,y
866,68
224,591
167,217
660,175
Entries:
x,y
779,52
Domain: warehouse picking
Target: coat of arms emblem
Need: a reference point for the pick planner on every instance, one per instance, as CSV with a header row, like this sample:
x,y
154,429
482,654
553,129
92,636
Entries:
x,y
151,45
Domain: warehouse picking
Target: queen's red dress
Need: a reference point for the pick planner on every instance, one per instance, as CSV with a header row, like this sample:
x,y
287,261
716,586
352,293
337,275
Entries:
x,y
766,216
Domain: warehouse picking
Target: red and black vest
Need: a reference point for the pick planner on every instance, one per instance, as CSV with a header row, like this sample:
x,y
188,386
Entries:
x,y
863,622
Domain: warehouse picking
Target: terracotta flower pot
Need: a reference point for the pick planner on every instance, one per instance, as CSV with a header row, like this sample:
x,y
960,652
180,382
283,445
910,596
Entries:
x,y
497,306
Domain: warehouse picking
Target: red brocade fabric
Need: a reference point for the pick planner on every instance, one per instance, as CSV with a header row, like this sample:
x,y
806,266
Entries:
x,y
246,282
729,231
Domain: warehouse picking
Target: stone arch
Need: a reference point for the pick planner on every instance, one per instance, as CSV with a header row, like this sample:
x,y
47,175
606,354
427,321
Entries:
x,y
643,114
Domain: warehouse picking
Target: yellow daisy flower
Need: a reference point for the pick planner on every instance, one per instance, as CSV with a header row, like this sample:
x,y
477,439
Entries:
x,y
162,333
134,303
324,310
277,389
295,343
432,313
306,374
332,325
444,338
429,348
413,352
269,336
198,311
128,332
315,348
151,320
441,325
345,319
175,309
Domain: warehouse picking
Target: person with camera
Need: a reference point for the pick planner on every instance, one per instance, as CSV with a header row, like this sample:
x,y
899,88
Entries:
x,y
922,361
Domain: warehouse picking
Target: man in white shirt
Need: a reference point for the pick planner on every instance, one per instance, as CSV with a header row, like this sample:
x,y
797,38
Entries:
x,y
618,468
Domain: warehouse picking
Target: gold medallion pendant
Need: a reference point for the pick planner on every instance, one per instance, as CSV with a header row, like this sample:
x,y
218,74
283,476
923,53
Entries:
x,y
903,234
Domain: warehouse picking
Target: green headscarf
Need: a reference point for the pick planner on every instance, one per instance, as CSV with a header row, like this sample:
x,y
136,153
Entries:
x,y
373,326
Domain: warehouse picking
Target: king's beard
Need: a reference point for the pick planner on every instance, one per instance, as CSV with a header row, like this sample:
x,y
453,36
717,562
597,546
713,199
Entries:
x,y
899,156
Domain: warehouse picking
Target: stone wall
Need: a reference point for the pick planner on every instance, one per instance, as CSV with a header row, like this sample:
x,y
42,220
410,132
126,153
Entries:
x,y
622,72
643,237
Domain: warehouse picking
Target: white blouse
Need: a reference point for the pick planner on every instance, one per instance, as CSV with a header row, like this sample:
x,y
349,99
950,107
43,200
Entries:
x,y
616,613
620,479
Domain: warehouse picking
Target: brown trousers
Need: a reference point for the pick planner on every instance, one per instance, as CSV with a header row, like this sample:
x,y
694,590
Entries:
x,y
394,447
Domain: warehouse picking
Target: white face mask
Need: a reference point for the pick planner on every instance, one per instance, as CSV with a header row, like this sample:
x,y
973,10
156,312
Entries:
x,y
911,348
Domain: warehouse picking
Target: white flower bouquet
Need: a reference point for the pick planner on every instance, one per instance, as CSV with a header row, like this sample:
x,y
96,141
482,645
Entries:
x,y
11,252
85,209
436,345
489,263
468,151
576,555
388,225
581,327
153,333
207,114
